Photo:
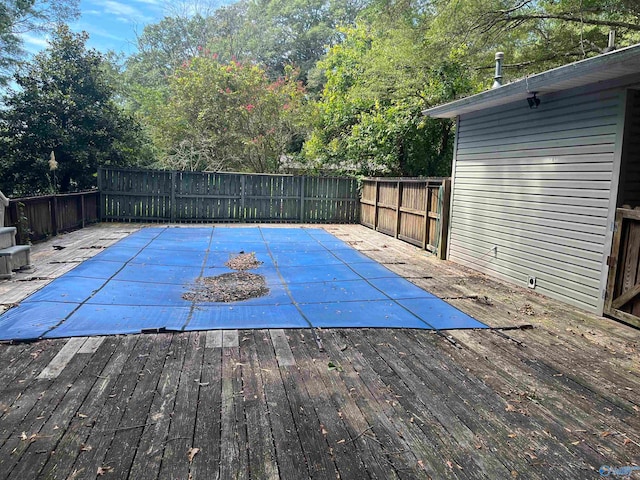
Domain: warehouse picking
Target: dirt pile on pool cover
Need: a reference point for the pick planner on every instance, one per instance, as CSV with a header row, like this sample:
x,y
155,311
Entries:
x,y
243,261
233,286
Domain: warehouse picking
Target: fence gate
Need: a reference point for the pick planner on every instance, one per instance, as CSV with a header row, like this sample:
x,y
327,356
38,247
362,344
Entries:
x,y
623,285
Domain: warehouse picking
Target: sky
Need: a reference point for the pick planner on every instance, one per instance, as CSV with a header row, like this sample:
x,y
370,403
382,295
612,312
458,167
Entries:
x,y
113,24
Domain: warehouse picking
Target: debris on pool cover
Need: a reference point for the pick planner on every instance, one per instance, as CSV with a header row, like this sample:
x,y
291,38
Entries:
x,y
244,261
228,287
233,286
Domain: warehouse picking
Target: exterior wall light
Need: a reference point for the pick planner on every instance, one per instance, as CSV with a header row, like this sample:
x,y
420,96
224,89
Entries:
x,y
533,101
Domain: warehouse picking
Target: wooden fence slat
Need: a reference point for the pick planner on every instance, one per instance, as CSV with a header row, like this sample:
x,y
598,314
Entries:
x,y
409,209
38,218
226,197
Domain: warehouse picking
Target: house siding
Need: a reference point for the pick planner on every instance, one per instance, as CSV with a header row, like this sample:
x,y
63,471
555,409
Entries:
x,y
536,184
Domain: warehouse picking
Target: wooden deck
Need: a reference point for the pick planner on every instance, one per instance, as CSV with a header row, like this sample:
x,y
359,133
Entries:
x,y
556,401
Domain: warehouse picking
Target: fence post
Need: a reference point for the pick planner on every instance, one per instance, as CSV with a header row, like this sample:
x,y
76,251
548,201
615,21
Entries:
x,y
99,193
21,222
302,211
444,219
243,188
172,205
375,206
425,225
54,214
82,215
398,203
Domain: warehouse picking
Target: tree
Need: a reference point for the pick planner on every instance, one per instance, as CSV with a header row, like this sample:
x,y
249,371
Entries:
x,y
243,120
64,104
369,118
534,34
297,32
274,33
19,17
164,46
370,67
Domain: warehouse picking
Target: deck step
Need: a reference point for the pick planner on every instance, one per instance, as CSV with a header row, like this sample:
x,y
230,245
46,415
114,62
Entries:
x,y
7,237
17,257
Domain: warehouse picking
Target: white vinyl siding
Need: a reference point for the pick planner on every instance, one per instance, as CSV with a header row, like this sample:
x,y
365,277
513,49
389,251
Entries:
x,y
536,184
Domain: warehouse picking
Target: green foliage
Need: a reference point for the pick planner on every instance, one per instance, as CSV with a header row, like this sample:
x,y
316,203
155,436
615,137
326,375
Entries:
x,y
298,32
164,46
369,118
338,84
534,34
19,17
274,34
226,116
63,104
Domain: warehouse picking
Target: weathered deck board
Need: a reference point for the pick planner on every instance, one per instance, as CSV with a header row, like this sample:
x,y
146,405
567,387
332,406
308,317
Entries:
x,y
150,450
107,421
262,454
207,431
390,423
434,409
74,439
289,452
135,419
234,457
331,424
377,404
183,418
355,445
47,421
19,366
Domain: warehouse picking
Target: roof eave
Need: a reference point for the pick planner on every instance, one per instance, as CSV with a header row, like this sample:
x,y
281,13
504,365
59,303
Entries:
x,y
602,68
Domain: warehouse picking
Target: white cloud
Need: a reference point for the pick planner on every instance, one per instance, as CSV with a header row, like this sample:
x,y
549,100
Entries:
x,y
152,7
33,43
95,31
125,12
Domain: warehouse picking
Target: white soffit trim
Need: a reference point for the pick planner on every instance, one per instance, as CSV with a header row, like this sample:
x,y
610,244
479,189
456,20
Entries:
x,y
603,68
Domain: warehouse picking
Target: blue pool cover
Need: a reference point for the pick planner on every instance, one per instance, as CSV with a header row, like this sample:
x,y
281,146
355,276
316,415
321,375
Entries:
x,y
314,280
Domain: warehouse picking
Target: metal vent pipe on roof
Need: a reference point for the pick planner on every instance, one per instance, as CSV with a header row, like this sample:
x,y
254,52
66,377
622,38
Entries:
x,y
611,45
497,78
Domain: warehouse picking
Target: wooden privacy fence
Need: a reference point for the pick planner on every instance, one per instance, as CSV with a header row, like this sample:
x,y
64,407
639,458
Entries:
x,y
623,285
40,217
413,210
170,196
